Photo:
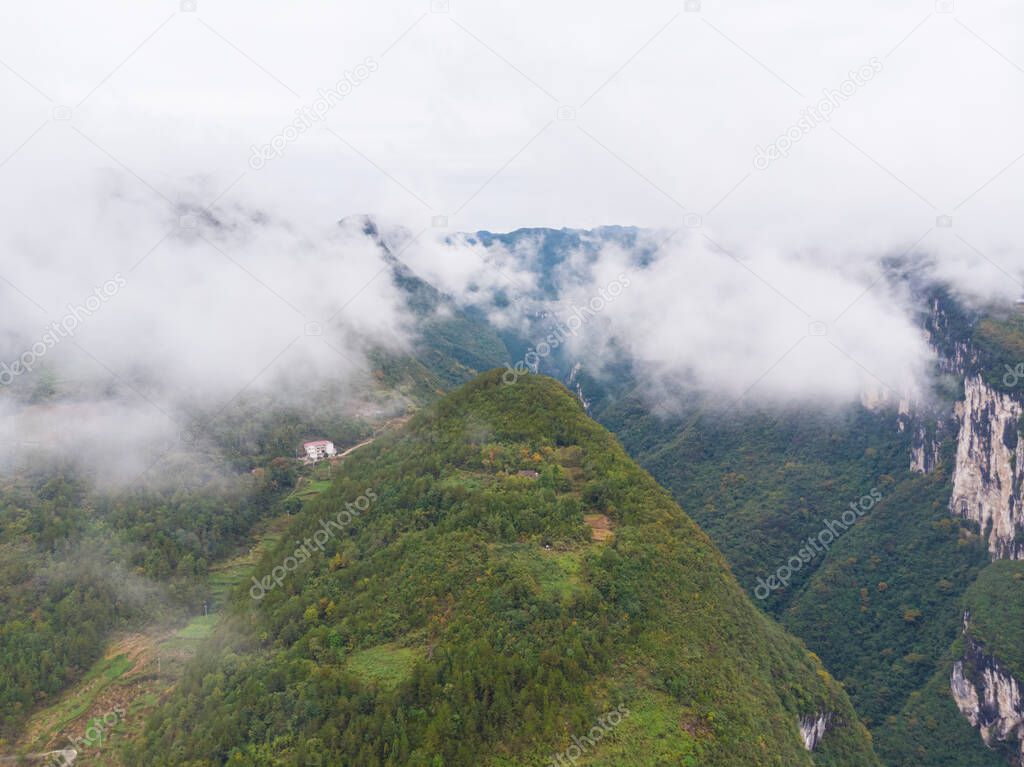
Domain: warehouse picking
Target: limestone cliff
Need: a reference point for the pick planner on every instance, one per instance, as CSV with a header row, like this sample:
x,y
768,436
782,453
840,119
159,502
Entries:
x,y
924,452
988,473
573,384
989,697
955,353
813,729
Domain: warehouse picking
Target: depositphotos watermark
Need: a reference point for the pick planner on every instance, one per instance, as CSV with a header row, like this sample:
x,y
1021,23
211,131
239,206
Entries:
x,y
307,116
565,330
93,736
63,328
304,550
813,116
1013,375
818,544
605,723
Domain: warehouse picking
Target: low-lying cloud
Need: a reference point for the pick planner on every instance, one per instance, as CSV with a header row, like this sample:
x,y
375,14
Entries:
x,y
133,165
136,314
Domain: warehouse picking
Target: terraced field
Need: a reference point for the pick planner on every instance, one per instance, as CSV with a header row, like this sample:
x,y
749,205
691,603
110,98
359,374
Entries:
x,y
110,704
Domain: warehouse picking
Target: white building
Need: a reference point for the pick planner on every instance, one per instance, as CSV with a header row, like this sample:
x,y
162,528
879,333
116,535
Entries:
x,y
318,449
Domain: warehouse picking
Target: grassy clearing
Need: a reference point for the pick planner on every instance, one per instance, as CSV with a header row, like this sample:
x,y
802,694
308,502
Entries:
x,y
600,527
385,665
226,577
313,482
649,733
199,627
311,489
556,572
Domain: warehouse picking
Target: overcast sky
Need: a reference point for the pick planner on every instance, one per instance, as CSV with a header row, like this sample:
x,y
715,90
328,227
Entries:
x,y
803,139
461,117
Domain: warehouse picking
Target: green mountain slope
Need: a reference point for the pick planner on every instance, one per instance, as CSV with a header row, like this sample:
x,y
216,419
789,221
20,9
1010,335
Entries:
x,y
881,606
882,610
996,604
930,729
761,480
462,611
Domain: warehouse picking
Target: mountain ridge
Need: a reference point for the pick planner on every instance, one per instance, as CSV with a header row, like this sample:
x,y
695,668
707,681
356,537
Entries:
x,y
533,627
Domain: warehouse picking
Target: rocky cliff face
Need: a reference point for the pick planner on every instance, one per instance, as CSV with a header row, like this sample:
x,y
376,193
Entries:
x,y
573,384
924,451
955,353
989,697
929,429
930,423
989,472
813,729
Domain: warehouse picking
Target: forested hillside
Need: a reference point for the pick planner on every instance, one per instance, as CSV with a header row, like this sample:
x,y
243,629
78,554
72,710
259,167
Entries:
x,y
501,577
883,604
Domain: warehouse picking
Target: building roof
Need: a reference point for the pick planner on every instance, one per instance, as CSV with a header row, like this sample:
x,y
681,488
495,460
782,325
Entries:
x,y
317,443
